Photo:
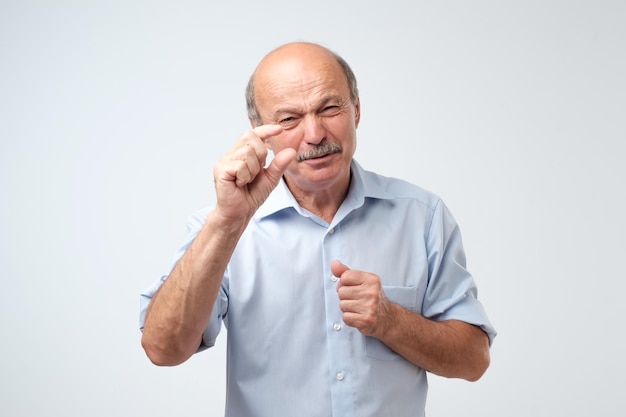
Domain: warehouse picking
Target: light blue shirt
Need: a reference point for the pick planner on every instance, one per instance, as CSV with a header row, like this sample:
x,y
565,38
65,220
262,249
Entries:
x,y
289,352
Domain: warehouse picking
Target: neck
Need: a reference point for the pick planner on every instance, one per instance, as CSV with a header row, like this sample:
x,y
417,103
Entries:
x,y
323,203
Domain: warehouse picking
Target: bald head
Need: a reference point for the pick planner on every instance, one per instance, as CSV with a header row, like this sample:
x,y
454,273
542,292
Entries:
x,y
289,57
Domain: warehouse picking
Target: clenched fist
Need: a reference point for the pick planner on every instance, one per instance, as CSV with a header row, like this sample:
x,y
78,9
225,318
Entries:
x,y
362,300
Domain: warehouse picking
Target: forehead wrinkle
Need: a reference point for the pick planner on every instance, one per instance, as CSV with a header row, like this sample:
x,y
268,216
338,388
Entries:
x,y
299,97
296,85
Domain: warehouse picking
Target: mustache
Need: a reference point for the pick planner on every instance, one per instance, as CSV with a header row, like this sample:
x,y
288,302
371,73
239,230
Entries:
x,y
319,150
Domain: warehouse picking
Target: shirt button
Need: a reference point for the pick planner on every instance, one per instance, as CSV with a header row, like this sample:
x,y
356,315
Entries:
x,y
331,231
339,376
337,326
333,278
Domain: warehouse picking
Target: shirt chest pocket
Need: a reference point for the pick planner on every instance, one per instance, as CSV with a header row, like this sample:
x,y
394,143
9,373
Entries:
x,y
407,298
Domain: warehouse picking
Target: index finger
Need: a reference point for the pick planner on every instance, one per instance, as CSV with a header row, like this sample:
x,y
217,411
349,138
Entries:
x,y
266,131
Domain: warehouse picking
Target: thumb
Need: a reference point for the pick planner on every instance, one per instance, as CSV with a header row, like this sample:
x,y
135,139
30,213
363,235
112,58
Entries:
x,y
279,164
337,268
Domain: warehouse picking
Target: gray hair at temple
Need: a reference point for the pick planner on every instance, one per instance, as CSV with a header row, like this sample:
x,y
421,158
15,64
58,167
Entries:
x,y
253,113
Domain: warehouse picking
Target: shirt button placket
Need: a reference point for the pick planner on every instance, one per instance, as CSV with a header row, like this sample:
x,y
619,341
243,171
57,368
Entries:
x,y
339,347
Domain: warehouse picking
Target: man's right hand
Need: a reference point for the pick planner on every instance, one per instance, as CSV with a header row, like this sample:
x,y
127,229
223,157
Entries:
x,y
242,182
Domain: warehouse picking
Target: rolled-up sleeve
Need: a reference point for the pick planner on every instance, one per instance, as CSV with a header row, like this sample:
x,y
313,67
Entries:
x,y
452,293
194,224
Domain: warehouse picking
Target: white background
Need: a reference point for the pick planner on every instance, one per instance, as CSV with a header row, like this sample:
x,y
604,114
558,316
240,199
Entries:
x,y
113,113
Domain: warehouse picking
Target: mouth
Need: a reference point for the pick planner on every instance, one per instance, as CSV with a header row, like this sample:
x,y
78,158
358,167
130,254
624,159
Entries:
x,y
319,152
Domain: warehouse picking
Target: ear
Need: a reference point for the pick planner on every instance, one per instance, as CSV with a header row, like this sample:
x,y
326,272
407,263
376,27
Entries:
x,y
357,112
252,122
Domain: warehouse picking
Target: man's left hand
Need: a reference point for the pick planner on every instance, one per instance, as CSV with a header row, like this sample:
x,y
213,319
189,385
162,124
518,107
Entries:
x,y
361,299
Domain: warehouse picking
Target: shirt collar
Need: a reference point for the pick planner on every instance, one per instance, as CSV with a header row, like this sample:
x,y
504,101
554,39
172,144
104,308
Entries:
x,y
364,184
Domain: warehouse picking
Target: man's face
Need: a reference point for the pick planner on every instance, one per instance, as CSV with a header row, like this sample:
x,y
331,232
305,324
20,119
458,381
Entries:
x,y
307,93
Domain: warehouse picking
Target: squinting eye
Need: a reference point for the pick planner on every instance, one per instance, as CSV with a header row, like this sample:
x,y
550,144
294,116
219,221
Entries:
x,y
286,120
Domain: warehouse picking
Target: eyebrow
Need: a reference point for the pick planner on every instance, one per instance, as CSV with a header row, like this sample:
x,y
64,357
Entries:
x,y
320,104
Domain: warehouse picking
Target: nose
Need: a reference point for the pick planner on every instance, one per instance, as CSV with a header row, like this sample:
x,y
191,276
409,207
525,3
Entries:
x,y
314,129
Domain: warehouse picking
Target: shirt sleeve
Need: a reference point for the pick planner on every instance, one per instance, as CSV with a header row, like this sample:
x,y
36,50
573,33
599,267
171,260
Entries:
x,y
194,224
452,293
